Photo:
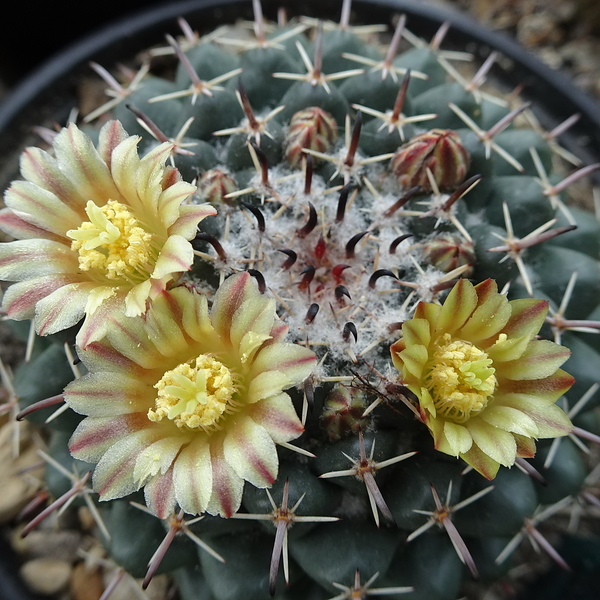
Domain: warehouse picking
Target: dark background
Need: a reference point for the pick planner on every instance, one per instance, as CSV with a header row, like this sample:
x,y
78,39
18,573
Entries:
x,y
32,32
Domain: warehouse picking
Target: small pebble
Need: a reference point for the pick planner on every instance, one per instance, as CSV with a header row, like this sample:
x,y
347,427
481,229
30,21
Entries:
x,y
537,29
86,519
156,590
86,583
59,544
46,575
16,492
551,57
582,55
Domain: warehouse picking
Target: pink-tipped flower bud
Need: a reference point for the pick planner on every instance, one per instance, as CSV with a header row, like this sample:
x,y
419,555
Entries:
x,y
440,151
214,185
448,251
311,128
342,413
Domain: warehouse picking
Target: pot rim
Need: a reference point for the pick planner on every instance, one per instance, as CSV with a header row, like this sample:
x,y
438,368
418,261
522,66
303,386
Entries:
x,y
116,39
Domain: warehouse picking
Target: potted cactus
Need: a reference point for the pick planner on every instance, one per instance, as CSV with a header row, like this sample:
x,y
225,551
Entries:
x,y
312,315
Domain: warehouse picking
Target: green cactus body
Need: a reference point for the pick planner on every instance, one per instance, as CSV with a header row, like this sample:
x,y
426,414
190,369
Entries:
x,y
346,228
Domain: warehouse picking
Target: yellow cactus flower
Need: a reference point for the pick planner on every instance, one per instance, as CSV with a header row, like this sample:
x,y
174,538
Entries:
x,y
97,230
189,404
486,387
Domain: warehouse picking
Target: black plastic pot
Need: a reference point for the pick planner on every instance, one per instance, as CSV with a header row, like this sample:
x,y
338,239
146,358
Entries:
x,y
47,96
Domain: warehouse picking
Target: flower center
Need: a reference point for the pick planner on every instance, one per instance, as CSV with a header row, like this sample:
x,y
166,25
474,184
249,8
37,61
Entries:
x,y
195,396
112,241
460,379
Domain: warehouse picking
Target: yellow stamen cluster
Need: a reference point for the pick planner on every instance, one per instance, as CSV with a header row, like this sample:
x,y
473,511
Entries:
x,y
194,396
112,241
460,379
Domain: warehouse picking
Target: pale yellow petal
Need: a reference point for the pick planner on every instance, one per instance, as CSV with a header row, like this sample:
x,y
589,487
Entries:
x,y
496,443
458,437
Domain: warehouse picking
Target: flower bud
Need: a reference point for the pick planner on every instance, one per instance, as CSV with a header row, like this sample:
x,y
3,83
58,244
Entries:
x,y
342,413
448,251
214,185
440,151
311,128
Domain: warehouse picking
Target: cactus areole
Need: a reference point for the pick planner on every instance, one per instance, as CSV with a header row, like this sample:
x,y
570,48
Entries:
x,y
335,317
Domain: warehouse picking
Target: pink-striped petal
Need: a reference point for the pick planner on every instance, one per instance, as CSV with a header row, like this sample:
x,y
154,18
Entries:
x,y
550,420
541,359
111,135
45,171
100,356
278,332
158,457
192,475
128,336
113,475
549,389
20,229
278,416
251,452
486,290
296,362
195,319
227,485
234,292
25,259
257,316
169,203
457,308
487,319
428,311
528,316
176,255
94,436
164,326
150,175
416,331
62,309
159,494
41,208
104,394
20,298
525,446
190,215
481,462
80,162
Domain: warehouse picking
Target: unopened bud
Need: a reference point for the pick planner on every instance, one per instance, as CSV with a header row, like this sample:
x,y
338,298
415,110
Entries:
x,y
214,185
342,413
311,128
448,251
440,151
